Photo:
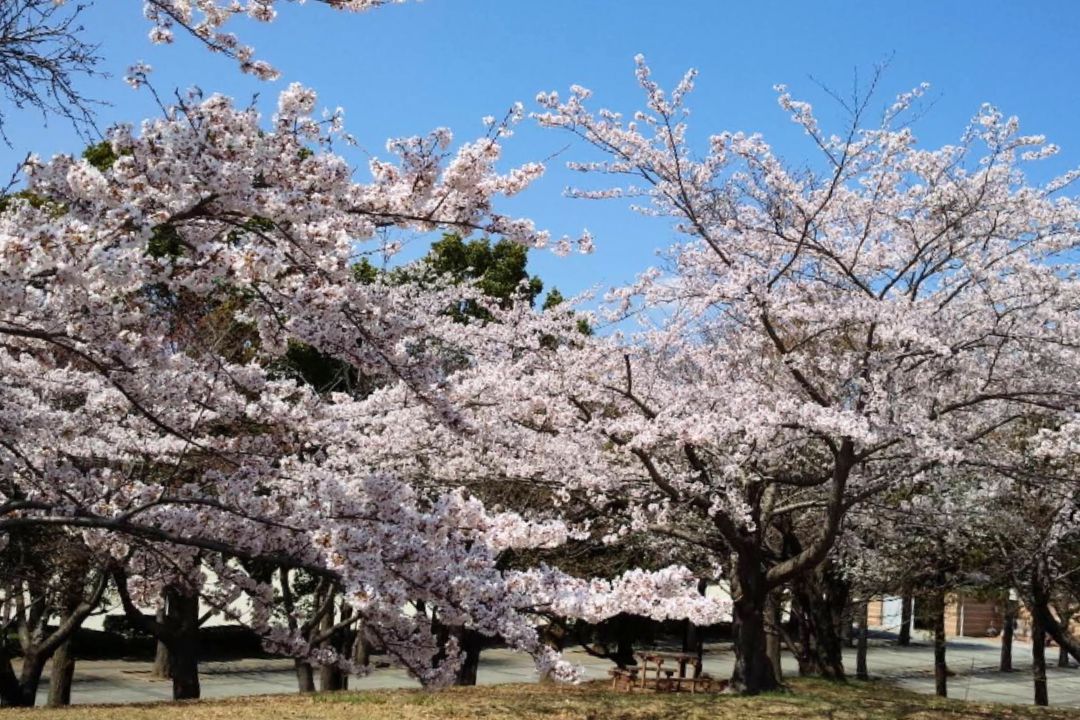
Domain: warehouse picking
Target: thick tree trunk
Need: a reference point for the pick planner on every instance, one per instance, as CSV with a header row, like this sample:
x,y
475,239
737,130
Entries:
x,y
185,670
33,665
305,676
835,619
1007,636
61,675
861,671
1038,661
10,690
941,671
624,641
331,678
471,643
753,671
821,599
183,614
906,604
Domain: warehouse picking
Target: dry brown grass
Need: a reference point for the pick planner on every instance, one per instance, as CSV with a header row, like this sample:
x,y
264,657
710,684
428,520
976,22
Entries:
x,y
807,700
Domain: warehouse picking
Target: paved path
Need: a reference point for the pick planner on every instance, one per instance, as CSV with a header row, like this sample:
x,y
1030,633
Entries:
x,y
973,661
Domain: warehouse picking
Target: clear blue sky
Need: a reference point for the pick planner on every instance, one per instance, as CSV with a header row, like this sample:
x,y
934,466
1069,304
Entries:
x,y
405,69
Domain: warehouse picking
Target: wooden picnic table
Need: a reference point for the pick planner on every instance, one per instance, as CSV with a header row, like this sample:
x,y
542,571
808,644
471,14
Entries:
x,y
652,663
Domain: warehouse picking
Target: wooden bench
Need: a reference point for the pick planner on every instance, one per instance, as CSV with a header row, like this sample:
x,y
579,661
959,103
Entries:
x,y
651,675
624,679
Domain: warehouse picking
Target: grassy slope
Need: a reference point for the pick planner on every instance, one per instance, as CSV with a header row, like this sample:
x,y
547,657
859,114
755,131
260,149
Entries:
x,y
808,699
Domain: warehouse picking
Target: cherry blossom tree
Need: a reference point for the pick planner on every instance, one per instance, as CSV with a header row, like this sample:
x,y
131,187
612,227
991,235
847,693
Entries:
x,y
819,336
133,415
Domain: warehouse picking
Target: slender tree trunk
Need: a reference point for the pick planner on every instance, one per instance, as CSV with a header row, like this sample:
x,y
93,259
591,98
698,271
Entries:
x,y
846,621
864,634
1038,661
305,674
1007,636
694,638
806,656
161,650
773,618
61,675
753,672
940,669
1063,657
361,649
905,620
331,677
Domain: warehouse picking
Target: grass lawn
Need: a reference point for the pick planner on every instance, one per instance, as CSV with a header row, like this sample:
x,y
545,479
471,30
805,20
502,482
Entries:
x,y
808,699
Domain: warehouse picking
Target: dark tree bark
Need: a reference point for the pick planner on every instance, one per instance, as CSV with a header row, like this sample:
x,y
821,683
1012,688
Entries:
x,y
61,675
183,614
806,656
905,620
361,649
318,628
39,645
861,671
331,677
1038,661
305,674
821,599
941,670
472,643
622,630
693,638
179,632
1038,604
11,692
1007,636
1064,619
753,672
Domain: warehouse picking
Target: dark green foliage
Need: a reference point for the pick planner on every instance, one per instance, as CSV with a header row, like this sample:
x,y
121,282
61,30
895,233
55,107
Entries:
x,y
498,270
319,370
100,155
164,242
553,299
364,272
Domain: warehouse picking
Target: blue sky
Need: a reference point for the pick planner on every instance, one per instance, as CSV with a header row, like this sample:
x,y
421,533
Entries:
x,y
406,69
